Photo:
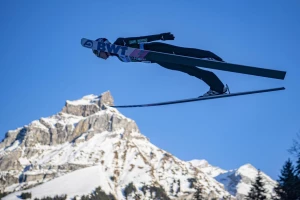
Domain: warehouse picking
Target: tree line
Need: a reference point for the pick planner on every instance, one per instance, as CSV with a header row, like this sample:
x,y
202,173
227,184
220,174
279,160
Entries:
x,y
288,182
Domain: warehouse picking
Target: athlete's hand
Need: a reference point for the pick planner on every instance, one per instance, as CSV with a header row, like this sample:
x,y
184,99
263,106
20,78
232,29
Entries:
x,y
167,36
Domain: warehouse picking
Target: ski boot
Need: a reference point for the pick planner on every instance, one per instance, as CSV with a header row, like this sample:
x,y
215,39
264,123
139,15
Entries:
x,y
212,92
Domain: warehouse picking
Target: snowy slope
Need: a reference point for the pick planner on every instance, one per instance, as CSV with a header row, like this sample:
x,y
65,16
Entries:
x,y
94,145
76,183
238,181
125,161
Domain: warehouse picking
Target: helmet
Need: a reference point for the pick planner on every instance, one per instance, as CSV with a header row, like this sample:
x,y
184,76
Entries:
x,y
96,52
103,40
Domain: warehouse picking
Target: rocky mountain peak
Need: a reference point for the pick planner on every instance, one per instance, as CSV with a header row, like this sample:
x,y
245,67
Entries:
x,y
246,168
88,105
78,122
199,163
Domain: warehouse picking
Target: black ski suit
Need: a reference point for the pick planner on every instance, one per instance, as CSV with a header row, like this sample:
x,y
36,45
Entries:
x,y
208,77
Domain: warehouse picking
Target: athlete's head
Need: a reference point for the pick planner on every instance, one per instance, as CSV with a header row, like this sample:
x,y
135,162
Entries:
x,y
102,54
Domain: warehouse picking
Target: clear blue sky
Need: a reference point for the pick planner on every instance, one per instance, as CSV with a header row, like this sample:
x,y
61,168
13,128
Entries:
x,y
43,64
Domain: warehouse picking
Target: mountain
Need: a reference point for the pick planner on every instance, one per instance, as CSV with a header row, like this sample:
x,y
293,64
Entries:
x,y
238,181
207,168
89,144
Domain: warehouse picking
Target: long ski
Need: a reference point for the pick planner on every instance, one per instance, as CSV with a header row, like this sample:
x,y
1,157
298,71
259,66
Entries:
x,y
152,56
200,98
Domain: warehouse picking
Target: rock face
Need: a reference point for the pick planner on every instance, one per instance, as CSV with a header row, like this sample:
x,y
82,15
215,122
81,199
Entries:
x,y
20,148
88,133
88,105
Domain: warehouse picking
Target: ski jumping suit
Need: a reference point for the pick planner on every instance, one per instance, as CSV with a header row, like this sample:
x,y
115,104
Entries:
x,y
208,77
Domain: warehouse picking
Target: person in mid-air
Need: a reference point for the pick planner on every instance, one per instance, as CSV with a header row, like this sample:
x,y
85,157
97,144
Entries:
x,y
145,42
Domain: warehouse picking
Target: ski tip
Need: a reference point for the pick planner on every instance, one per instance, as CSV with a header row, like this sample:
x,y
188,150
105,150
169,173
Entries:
x,y
83,40
87,43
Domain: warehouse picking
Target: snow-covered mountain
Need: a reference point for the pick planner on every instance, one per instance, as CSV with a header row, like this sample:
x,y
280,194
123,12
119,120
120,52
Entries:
x,y
238,181
207,168
89,144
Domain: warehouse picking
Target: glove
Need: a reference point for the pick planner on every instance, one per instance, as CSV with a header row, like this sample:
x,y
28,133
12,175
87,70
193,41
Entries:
x,y
167,36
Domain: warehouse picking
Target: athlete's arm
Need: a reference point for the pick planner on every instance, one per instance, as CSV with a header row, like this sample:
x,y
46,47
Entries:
x,y
134,41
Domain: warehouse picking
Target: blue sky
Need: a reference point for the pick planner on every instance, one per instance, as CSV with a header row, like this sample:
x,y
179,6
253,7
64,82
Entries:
x,y
43,65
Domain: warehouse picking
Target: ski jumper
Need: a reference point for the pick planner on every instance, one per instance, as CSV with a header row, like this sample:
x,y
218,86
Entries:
x,y
142,43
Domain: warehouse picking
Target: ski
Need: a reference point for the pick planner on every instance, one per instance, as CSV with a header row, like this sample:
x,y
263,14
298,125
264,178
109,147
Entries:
x,y
200,98
152,56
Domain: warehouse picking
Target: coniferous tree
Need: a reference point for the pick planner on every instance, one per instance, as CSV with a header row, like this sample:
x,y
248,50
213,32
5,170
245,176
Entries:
x,y
198,195
3,194
289,182
257,191
297,177
297,167
295,149
286,188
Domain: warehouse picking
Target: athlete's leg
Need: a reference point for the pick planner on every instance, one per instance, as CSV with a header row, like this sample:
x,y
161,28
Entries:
x,y
208,77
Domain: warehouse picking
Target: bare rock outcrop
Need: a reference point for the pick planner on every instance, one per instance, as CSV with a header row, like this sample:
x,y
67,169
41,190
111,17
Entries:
x,y
88,105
